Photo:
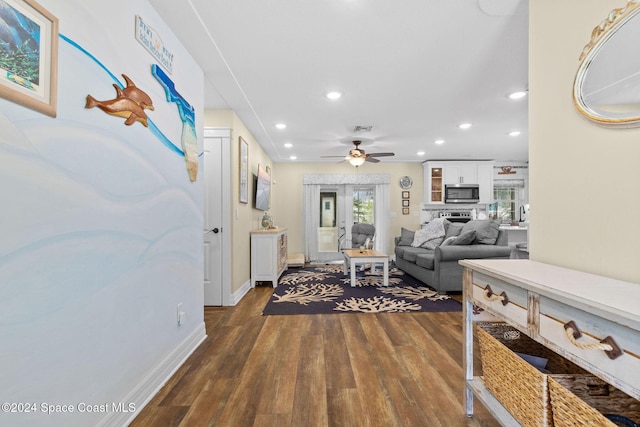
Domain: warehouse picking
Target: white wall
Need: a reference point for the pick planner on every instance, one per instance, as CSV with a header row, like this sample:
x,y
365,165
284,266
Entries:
x,y
583,177
101,228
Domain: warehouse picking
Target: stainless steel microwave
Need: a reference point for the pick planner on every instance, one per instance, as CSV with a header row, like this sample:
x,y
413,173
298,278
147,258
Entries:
x,y
461,193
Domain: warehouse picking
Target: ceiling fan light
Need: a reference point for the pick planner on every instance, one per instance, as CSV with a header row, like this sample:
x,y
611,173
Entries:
x,y
356,161
333,95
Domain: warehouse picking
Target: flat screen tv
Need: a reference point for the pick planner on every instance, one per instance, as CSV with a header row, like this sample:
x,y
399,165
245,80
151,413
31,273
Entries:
x,y
263,189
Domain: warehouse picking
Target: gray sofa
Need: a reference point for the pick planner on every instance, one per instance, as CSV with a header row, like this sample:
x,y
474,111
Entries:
x,y
436,262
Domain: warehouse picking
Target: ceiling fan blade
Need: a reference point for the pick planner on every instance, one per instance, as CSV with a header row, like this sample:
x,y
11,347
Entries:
x,y
381,154
329,157
371,159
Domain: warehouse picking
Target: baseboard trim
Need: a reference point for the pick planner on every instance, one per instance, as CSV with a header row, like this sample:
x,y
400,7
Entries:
x,y
240,293
142,394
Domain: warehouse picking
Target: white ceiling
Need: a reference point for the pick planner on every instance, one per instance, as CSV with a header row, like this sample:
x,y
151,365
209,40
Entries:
x,y
412,69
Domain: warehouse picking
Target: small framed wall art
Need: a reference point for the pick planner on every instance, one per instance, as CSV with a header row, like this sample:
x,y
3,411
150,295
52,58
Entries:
x,y
405,194
29,55
405,203
405,211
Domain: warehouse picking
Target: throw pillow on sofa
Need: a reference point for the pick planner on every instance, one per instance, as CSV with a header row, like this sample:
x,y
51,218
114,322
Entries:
x,y
486,230
448,240
431,235
406,237
454,229
465,238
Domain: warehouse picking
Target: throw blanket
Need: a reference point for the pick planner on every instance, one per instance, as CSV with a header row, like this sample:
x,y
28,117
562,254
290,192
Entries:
x,y
431,235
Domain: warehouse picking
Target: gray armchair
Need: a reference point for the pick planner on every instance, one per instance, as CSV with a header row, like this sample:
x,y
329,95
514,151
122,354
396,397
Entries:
x,y
360,232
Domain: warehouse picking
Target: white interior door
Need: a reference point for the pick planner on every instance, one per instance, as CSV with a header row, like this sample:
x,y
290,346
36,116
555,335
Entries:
x,y
215,149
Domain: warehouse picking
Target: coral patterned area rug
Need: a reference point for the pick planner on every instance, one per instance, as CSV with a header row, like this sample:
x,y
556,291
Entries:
x,y
325,289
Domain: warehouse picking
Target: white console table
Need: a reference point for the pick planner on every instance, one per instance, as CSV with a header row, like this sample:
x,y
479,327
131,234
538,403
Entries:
x,y
539,299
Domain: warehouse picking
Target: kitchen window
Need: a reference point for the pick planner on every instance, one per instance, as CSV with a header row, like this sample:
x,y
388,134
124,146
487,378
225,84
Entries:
x,y
506,205
509,195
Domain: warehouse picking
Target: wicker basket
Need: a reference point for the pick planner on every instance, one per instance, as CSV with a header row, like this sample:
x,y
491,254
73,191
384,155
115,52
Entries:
x,y
521,388
584,401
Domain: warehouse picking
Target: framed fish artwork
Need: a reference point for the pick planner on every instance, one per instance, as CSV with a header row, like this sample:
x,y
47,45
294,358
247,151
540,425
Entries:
x,y
28,55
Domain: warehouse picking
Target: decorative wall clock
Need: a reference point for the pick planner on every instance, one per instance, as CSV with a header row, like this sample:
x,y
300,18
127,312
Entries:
x,y
406,182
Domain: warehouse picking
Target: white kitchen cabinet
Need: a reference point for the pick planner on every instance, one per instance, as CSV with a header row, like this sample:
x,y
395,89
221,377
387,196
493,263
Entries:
x,y
433,184
440,173
461,173
485,181
268,255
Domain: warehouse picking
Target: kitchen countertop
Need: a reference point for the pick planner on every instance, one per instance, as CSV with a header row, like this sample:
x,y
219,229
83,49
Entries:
x,y
513,227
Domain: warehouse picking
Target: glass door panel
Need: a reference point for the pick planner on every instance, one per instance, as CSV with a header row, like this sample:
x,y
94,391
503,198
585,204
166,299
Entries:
x,y
330,227
327,230
364,204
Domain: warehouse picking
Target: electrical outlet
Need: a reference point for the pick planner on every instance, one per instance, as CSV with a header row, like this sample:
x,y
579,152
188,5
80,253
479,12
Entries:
x,y
180,314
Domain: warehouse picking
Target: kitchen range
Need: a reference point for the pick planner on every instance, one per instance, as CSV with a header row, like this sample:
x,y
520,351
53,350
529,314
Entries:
x,y
454,215
457,216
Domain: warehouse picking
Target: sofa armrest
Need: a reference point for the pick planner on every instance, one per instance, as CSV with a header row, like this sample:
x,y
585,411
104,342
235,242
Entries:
x,y
458,252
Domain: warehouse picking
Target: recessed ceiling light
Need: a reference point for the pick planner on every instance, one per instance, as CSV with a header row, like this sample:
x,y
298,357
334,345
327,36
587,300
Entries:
x,y
464,125
293,157
280,125
514,133
421,153
439,141
518,95
288,145
333,95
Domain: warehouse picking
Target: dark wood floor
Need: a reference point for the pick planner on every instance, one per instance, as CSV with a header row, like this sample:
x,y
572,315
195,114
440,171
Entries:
x,y
392,369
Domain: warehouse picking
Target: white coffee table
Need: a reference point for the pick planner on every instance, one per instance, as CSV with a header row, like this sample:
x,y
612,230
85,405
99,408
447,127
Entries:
x,y
353,257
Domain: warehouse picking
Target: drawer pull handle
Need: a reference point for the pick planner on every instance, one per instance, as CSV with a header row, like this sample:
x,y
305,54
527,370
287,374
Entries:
x,y
608,345
490,296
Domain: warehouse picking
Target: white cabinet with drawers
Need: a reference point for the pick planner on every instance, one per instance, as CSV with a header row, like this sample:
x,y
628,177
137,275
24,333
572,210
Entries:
x,y
268,255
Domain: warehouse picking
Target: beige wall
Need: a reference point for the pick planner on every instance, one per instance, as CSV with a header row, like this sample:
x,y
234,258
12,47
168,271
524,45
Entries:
x,y
287,195
584,178
248,218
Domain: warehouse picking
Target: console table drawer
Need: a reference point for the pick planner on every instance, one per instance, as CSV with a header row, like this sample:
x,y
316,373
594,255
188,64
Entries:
x,y
555,315
506,300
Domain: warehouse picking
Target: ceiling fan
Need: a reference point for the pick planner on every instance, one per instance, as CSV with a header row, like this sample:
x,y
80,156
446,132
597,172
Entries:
x,y
357,156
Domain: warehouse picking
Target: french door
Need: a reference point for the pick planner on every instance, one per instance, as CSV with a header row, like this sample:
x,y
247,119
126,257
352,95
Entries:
x,y
333,203
339,207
